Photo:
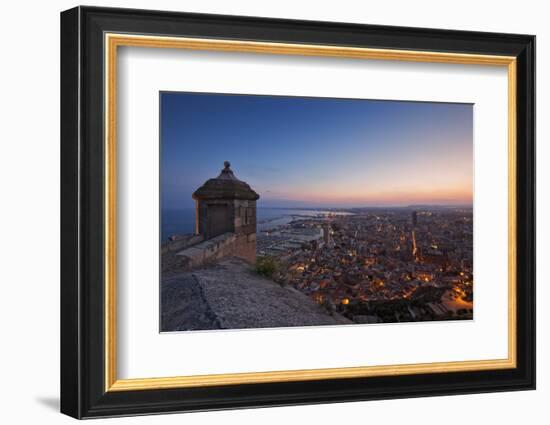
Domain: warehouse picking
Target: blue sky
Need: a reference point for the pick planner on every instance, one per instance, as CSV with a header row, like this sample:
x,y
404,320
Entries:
x,y
315,152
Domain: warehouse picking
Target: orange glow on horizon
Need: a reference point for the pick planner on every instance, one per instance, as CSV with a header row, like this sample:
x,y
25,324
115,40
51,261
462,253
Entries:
x,y
391,197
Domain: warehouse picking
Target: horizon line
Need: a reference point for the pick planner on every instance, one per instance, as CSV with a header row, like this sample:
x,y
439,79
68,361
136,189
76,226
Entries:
x,y
348,207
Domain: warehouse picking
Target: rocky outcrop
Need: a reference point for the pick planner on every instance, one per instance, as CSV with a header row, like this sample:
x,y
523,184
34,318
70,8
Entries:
x,y
230,295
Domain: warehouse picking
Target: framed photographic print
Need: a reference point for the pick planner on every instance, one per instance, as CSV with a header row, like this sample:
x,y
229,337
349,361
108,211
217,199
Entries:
x,y
261,212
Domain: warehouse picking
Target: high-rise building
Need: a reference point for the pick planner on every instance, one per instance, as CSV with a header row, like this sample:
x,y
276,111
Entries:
x,y
326,233
414,218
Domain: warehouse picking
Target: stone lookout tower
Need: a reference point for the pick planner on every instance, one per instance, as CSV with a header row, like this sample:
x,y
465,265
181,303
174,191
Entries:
x,y
226,205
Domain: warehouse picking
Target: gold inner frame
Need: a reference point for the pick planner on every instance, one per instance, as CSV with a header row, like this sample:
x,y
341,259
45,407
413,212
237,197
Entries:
x,y
113,41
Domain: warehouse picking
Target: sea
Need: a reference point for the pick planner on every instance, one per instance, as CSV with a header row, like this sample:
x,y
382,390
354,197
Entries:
x,y
182,221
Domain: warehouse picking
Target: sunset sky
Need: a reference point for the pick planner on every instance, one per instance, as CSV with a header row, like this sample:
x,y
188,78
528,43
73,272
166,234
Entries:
x,y
318,152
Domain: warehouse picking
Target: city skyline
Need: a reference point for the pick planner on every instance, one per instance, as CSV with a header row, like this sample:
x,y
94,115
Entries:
x,y
318,152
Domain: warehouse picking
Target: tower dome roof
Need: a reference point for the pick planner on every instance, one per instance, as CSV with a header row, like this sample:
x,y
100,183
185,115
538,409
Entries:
x,y
225,186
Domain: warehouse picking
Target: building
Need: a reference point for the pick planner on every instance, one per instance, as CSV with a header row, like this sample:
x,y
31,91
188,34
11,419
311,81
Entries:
x,y
225,226
326,233
226,215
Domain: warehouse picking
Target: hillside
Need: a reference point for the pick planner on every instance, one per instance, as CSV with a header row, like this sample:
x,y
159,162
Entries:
x,y
230,295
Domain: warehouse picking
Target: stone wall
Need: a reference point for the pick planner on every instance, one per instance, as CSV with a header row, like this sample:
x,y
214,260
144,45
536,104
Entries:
x,y
245,247
212,250
245,216
180,242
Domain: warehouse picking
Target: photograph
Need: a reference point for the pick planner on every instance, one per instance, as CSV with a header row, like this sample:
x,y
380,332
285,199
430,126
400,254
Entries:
x,y
265,209
285,211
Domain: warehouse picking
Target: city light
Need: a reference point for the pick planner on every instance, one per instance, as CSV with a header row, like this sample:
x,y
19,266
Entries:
x,y
373,260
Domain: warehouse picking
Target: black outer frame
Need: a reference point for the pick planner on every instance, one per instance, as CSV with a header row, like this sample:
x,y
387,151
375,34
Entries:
x,y
82,219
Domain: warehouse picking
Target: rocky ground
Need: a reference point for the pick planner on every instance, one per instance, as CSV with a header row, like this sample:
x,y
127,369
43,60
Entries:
x,y
231,295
